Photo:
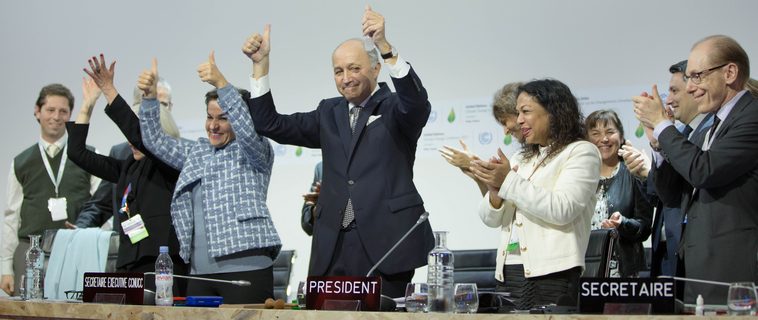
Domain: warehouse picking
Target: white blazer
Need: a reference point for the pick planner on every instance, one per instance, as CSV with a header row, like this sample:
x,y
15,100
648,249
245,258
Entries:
x,y
549,207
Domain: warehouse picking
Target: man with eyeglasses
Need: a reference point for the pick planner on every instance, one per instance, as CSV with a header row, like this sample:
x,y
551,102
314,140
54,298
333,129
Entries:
x,y
718,181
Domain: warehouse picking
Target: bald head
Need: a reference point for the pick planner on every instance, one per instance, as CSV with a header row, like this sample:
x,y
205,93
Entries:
x,y
355,71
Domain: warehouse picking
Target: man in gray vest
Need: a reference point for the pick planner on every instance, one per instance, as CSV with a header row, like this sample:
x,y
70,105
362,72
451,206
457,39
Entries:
x,y
45,190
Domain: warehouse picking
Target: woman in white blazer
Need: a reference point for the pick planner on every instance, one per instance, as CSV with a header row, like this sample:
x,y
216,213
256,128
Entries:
x,y
546,196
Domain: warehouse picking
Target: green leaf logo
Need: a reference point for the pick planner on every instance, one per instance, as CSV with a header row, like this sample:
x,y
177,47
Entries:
x,y
639,132
451,116
299,151
508,139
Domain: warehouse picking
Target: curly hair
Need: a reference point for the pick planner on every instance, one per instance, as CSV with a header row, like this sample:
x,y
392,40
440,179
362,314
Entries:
x,y
566,119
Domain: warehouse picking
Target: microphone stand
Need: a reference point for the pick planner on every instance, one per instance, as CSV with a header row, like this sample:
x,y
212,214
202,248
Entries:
x,y
421,219
241,283
718,283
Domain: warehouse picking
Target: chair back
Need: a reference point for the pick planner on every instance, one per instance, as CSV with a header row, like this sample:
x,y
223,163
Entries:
x,y
476,266
282,273
599,253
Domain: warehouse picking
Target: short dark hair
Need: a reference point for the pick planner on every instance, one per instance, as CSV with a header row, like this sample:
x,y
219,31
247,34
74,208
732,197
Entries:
x,y
566,119
679,67
727,50
55,89
213,95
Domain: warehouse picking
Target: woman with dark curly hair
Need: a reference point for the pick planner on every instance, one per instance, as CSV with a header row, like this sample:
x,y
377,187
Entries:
x,y
621,205
546,197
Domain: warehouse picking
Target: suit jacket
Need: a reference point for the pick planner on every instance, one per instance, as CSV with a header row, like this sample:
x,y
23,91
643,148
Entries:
x,y
373,167
152,184
720,239
665,259
306,218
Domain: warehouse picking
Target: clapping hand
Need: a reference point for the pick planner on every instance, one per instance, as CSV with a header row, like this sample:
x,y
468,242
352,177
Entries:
x,y
649,108
148,81
459,158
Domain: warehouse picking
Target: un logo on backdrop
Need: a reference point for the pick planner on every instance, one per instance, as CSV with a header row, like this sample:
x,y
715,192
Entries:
x,y
485,138
432,117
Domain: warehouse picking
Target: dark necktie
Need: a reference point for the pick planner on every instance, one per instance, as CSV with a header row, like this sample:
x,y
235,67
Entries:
x,y
712,132
686,131
349,215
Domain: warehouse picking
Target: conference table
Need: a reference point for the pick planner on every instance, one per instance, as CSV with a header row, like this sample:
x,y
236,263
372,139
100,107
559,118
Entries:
x,y
13,309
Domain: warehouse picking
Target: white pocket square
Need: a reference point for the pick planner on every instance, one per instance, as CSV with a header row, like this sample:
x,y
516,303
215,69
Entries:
x,y
372,118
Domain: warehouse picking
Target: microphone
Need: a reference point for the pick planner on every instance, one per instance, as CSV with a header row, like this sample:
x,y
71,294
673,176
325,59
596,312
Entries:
x,y
420,220
718,283
241,283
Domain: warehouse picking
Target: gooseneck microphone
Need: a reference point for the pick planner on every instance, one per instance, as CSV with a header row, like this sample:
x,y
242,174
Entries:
x,y
718,283
420,220
241,283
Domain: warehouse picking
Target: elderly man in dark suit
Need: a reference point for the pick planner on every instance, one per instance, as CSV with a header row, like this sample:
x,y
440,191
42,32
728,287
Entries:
x,y
368,138
718,181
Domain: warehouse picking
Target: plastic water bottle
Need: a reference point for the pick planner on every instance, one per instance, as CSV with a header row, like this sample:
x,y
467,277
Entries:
x,y
164,279
34,279
440,275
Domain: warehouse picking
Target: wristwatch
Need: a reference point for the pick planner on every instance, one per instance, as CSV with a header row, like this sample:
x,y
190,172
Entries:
x,y
656,149
388,55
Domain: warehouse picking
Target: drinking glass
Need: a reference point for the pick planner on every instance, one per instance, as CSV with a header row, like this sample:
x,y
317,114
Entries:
x,y
301,295
466,298
417,297
21,286
741,299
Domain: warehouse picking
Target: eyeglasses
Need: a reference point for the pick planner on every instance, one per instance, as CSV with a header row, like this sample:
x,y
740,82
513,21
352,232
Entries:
x,y
697,77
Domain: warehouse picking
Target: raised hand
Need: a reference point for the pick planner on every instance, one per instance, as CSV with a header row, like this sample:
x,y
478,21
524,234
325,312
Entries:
x,y
90,93
102,75
257,46
208,72
649,108
148,81
372,25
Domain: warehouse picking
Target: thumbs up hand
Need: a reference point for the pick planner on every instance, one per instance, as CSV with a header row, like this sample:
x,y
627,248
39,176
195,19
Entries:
x,y
257,46
148,81
208,72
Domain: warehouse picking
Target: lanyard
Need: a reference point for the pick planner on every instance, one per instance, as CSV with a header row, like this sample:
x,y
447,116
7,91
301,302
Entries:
x,y
56,180
124,205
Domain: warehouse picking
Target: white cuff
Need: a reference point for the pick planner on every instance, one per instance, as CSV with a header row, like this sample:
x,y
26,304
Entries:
x,y
259,87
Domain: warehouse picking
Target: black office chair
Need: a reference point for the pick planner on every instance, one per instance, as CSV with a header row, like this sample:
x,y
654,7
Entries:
x,y
599,253
476,266
282,273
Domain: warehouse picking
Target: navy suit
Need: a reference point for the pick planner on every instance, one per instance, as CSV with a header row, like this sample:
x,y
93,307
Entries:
x,y
373,167
720,239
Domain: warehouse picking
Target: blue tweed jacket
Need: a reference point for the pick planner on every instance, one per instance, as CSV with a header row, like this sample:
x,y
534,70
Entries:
x,y
235,181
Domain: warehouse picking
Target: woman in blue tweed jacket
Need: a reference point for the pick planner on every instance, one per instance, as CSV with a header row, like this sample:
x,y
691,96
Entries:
x,y
219,205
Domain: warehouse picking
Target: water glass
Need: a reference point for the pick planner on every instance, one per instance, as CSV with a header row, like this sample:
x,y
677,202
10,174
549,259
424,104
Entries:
x,y
21,286
466,298
301,295
417,297
741,299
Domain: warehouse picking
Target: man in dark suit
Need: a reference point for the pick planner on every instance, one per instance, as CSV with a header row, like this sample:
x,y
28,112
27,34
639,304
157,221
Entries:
x,y
368,138
718,182
667,225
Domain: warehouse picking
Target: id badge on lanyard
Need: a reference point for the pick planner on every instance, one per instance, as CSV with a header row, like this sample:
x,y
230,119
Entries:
x,y
134,227
56,205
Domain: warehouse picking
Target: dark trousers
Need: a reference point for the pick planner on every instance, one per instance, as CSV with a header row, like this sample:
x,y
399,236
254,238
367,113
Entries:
x,y
560,288
351,259
261,289
147,264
